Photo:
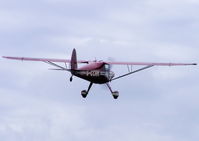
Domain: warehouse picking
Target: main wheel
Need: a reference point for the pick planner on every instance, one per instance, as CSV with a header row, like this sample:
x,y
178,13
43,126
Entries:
x,y
115,94
84,93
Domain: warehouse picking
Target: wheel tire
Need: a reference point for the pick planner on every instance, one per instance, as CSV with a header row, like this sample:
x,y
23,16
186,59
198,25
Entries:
x,y
115,94
84,93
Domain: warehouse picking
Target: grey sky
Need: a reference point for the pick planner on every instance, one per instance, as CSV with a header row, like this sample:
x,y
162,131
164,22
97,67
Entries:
x,y
41,105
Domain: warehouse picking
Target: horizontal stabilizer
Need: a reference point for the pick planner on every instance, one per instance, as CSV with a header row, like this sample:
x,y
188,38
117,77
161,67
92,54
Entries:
x,y
61,69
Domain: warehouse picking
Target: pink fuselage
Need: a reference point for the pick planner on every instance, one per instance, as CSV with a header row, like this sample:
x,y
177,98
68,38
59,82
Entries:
x,y
96,72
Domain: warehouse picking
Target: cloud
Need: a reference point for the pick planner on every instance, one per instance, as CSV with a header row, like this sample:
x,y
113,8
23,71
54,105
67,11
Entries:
x,y
27,117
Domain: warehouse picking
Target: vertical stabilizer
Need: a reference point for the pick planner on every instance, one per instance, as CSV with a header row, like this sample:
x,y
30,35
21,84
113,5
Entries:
x,y
73,60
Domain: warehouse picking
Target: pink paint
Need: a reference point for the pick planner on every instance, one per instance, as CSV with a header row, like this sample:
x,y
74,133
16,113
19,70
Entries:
x,y
92,66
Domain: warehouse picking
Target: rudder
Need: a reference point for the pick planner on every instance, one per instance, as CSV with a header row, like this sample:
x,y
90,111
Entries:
x,y
73,60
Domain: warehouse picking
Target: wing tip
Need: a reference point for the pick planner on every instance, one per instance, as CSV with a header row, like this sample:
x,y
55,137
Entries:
x,y
194,64
5,57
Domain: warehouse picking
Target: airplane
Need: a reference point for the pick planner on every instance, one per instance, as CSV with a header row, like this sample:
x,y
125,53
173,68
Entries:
x,y
96,72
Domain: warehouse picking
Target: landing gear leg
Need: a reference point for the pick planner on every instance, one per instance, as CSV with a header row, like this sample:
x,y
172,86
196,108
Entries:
x,y
84,93
115,94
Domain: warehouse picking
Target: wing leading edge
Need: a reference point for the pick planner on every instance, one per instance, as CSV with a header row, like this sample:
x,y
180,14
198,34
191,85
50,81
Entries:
x,y
43,59
84,61
150,64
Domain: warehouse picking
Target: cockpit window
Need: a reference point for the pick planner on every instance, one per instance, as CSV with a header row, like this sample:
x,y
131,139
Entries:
x,y
107,66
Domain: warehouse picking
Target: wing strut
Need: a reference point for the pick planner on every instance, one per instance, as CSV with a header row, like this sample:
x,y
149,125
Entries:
x,y
133,72
61,68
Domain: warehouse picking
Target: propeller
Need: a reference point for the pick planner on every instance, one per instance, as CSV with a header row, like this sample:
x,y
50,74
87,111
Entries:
x,y
111,59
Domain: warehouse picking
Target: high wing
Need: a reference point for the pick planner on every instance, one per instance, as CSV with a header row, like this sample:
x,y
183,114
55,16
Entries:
x,y
150,64
146,66
43,59
84,61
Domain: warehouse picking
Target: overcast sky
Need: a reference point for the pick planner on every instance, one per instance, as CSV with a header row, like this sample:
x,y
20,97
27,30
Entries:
x,y
157,104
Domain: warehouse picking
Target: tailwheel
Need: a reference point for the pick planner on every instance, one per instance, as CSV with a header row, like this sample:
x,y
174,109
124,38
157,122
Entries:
x,y
115,94
71,78
84,93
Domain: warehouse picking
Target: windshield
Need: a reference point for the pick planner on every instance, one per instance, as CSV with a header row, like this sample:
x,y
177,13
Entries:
x,y
107,67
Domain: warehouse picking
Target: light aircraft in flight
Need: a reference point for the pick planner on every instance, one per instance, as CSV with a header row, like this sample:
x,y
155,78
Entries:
x,y
98,72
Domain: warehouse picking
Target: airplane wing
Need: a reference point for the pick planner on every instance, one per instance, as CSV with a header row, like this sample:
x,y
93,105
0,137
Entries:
x,y
43,59
84,61
150,64
147,65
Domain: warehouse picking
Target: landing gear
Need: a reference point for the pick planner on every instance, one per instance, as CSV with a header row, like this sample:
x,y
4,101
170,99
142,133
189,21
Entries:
x,y
115,94
84,93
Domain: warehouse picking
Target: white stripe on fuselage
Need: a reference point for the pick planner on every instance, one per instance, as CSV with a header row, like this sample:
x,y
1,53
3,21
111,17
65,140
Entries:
x,y
95,73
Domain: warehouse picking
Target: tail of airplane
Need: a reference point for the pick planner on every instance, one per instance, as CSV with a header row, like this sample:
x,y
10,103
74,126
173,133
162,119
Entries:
x,y
73,62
